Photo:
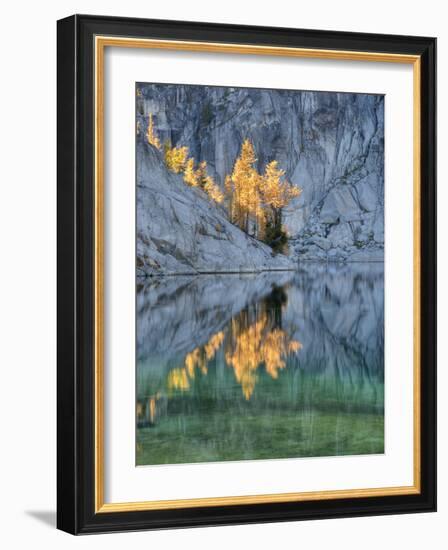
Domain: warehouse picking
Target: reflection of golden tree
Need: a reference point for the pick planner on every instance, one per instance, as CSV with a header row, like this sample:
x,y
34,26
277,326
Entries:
x,y
149,410
253,341
195,360
179,378
213,345
254,346
152,408
140,409
245,355
275,348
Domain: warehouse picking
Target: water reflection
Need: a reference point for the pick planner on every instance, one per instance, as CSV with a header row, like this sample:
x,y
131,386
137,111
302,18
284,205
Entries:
x,y
272,365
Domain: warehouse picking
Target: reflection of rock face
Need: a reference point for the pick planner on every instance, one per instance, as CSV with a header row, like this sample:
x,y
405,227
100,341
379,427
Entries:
x,y
338,313
330,144
178,314
335,312
180,231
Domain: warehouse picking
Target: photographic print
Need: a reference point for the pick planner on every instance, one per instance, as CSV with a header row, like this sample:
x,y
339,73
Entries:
x,y
259,274
223,356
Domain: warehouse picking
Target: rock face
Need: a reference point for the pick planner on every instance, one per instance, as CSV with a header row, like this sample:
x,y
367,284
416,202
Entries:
x,y
179,231
330,144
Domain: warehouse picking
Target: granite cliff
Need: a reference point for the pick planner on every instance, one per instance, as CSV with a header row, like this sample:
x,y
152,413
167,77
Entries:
x,y
330,144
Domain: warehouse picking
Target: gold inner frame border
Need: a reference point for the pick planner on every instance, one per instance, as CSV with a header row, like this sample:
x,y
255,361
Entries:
x,y
100,43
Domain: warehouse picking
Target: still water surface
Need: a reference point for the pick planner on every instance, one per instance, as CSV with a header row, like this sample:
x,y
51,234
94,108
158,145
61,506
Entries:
x,y
270,365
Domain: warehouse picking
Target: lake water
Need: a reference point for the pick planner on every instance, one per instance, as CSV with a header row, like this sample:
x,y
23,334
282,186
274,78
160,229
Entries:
x,y
270,365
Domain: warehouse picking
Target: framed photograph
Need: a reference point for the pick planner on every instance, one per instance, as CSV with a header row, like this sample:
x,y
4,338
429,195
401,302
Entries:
x,y
246,274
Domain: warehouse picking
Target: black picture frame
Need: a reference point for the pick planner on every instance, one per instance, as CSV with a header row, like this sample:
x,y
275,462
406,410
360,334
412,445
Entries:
x,y
76,270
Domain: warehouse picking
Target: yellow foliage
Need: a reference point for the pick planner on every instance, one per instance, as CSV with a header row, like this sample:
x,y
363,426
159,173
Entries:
x,y
178,380
194,177
294,346
199,178
151,135
202,172
249,346
228,185
152,408
212,346
193,360
253,200
275,192
190,174
254,346
176,158
213,190
242,187
245,357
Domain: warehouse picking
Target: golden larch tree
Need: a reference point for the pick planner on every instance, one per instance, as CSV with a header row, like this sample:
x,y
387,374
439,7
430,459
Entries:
x,y
198,177
151,135
175,157
190,174
276,192
242,186
212,189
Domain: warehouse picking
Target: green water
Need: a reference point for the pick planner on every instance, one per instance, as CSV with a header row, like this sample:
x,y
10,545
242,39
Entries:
x,y
261,366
